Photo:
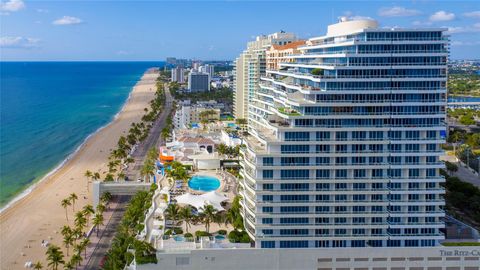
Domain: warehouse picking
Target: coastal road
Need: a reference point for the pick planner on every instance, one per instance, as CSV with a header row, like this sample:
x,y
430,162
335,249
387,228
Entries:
x,y
153,140
107,235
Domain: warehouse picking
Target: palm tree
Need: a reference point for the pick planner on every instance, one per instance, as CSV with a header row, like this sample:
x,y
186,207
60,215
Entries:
x,y
100,208
66,203
76,259
97,221
38,266
186,215
87,212
208,216
80,221
68,241
69,266
73,197
172,212
54,257
88,174
84,244
96,176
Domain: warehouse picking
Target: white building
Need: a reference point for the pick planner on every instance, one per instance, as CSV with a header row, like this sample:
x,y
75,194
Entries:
x,y
209,69
187,113
344,142
250,65
177,75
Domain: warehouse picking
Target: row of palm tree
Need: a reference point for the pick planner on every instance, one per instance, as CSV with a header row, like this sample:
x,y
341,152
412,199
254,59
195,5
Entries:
x,y
148,167
208,215
185,214
74,237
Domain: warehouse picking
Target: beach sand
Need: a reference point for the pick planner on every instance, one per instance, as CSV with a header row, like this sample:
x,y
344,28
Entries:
x,y
38,216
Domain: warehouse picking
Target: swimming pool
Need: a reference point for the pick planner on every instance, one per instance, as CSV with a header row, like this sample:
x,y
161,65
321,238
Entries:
x,y
203,183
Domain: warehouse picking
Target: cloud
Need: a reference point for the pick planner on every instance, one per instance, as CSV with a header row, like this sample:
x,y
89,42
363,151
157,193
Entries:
x,y
465,43
473,14
67,20
442,16
12,5
398,12
464,29
18,42
121,52
420,23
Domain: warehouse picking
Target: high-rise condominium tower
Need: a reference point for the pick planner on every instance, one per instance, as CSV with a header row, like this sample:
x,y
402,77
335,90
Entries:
x,y
250,66
344,141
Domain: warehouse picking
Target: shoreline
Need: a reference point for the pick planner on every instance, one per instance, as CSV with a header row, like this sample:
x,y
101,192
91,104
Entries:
x,y
32,186
35,214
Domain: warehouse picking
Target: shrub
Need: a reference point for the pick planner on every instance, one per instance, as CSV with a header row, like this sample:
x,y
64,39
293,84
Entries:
x,y
202,233
168,232
317,71
222,232
178,230
188,235
451,167
238,237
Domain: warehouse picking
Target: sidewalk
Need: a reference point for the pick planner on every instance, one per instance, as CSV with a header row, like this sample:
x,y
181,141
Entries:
x,y
94,239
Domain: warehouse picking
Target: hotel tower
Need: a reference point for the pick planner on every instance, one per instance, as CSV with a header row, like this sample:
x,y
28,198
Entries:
x,y
344,141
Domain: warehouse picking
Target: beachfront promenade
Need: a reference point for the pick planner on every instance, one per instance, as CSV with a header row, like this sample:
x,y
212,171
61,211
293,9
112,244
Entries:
x,y
39,216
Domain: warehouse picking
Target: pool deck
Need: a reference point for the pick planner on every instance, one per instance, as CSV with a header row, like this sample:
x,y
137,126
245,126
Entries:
x,y
210,173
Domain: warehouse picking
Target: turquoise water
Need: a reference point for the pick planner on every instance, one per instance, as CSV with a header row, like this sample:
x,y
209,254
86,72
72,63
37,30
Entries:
x,y
204,183
49,108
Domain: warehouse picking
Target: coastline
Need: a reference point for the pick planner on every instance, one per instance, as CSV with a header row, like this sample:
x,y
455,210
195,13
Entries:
x,y
28,189
35,214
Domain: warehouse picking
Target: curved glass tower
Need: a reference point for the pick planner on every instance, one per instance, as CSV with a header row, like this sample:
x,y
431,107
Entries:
x,y
344,142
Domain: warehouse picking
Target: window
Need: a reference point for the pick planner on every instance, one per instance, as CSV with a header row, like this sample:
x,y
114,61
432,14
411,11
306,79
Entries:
x,y
358,231
321,174
322,243
267,220
294,209
341,136
293,197
285,149
297,136
267,174
294,174
267,186
267,231
267,198
268,244
268,161
322,209
267,209
323,136
323,197
299,220
293,244
322,186
341,174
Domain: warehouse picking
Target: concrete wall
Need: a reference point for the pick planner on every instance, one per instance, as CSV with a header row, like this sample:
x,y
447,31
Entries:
x,y
437,258
116,188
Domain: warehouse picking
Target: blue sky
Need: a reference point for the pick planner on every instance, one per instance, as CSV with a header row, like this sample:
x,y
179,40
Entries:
x,y
153,30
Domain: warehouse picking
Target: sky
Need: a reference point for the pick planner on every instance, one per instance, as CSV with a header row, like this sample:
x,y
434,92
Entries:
x,y
110,30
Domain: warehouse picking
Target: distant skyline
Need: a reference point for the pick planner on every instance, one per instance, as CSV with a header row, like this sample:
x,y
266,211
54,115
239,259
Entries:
x,y
214,30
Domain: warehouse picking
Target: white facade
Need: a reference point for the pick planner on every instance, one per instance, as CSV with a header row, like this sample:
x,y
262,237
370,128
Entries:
x,y
344,142
250,65
431,258
177,75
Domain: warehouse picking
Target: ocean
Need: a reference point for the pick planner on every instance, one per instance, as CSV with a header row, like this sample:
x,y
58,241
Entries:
x,y
47,110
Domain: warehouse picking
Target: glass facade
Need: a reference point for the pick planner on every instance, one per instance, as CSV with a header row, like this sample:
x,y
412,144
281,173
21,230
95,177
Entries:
x,y
344,143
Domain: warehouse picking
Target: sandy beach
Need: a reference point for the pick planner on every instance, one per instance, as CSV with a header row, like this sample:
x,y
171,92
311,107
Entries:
x,y
38,216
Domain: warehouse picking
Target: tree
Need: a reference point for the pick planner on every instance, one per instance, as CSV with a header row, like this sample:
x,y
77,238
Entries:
x,y
73,197
172,212
38,266
69,266
186,215
88,211
96,176
54,257
233,214
68,237
76,259
84,244
88,174
97,221
100,208
80,221
65,204
208,216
